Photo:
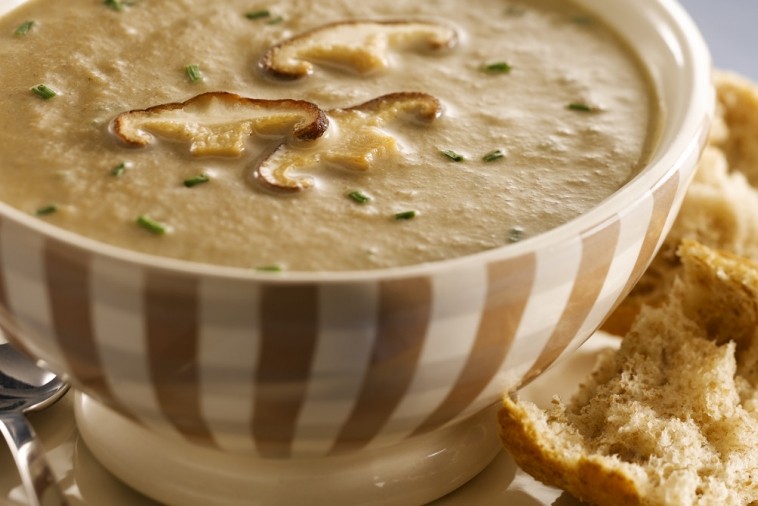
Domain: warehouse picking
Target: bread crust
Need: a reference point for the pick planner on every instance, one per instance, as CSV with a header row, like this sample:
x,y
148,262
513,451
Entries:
x,y
585,477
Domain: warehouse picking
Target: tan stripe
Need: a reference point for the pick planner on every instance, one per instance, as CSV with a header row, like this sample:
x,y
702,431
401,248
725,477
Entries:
x,y
598,250
509,286
3,294
663,199
289,330
403,319
68,286
171,309
7,321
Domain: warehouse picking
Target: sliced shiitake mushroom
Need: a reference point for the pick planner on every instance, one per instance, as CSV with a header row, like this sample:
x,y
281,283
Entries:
x,y
424,107
358,141
217,123
358,45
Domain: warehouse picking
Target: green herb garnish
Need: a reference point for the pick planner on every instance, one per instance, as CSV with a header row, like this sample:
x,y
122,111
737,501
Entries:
x,y
578,106
47,210
359,197
452,155
196,180
270,268
260,14
24,28
515,11
405,215
119,169
275,20
44,92
516,234
582,20
152,225
493,155
499,67
116,5
194,73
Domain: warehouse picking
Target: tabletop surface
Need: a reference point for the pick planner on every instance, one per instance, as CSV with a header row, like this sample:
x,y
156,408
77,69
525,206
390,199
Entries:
x,y
729,29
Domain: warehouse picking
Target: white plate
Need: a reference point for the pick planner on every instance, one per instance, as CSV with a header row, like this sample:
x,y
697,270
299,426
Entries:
x,y
86,483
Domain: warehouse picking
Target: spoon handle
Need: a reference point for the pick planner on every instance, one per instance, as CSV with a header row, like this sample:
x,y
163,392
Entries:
x,y
39,482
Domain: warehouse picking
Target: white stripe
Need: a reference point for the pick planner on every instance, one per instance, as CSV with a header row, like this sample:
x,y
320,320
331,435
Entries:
x,y
633,228
119,331
458,301
555,275
347,321
228,350
23,266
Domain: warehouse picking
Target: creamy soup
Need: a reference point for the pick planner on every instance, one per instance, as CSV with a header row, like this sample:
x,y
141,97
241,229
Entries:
x,y
318,134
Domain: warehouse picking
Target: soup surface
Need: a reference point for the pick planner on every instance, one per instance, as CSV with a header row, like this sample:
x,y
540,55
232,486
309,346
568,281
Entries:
x,y
505,119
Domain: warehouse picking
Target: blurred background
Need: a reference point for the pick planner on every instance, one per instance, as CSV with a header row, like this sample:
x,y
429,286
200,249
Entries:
x,y
729,28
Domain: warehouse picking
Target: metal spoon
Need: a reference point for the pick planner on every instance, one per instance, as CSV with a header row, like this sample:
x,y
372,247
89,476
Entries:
x,y
26,387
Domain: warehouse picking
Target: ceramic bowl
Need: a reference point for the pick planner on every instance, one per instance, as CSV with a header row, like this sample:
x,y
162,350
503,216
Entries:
x,y
375,382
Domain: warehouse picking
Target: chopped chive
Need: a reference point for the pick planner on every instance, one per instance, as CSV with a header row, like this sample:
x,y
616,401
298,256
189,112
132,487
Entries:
x,y
452,155
24,28
499,67
263,13
270,268
194,73
359,197
116,5
47,210
516,234
582,20
44,92
405,215
152,225
196,180
493,155
275,20
119,169
577,106
515,11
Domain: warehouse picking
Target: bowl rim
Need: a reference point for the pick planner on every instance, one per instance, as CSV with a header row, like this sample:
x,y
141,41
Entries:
x,y
677,32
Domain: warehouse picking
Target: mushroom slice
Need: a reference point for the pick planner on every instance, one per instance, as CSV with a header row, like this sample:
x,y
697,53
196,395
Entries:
x,y
217,123
424,107
356,142
274,171
358,45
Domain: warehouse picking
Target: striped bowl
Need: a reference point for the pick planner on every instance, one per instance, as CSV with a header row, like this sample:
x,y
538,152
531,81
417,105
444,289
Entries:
x,y
316,365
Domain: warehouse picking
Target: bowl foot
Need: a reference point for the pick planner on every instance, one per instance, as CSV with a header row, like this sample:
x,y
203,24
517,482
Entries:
x,y
180,473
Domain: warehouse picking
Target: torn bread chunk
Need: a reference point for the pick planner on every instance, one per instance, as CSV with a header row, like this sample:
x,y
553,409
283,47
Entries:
x,y
218,123
361,46
672,417
720,208
356,141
